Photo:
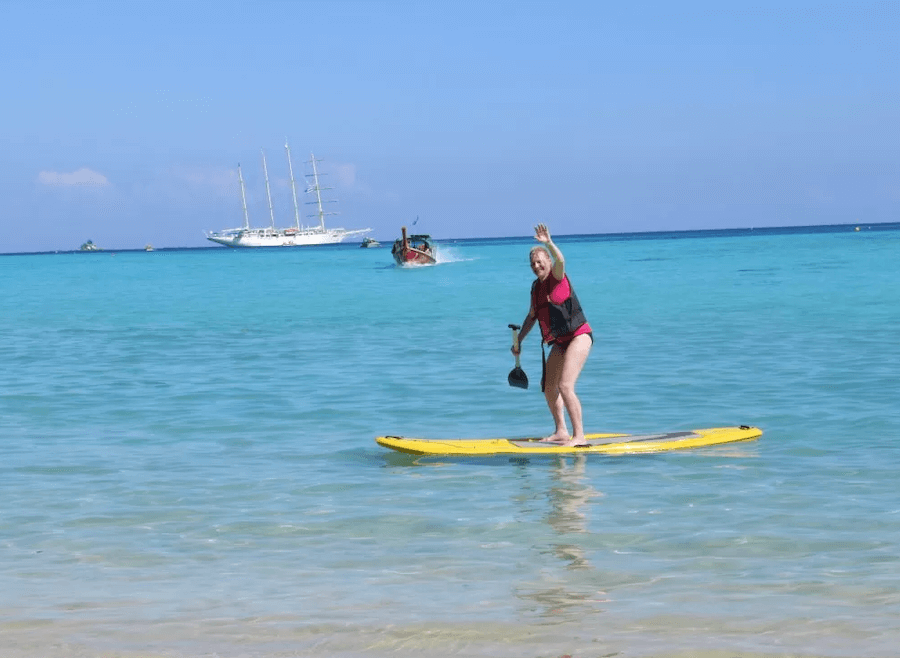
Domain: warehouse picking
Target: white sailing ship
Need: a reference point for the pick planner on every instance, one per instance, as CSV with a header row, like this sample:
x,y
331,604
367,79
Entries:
x,y
292,236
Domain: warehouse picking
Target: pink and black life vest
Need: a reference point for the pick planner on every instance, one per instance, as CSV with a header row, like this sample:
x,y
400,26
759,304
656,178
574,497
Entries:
x,y
564,316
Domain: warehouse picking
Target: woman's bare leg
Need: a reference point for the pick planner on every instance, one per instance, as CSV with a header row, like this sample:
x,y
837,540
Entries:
x,y
554,400
574,358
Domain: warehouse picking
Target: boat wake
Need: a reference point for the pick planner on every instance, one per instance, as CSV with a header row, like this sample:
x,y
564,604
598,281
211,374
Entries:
x,y
442,257
447,255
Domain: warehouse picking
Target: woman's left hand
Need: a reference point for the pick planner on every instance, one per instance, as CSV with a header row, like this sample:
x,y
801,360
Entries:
x,y
541,233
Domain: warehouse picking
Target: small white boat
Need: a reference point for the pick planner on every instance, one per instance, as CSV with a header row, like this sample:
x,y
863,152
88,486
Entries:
x,y
369,243
89,246
293,236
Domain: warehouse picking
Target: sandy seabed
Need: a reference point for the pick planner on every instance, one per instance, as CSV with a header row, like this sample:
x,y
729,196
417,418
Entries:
x,y
669,637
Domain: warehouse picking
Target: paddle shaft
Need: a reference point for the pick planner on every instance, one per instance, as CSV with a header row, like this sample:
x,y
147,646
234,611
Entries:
x,y
515,337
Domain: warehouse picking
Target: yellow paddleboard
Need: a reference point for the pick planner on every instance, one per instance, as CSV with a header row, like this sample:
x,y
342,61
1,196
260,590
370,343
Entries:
x,y
603,444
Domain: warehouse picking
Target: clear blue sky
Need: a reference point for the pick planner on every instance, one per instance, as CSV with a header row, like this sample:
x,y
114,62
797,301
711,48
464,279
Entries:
x,y
124,121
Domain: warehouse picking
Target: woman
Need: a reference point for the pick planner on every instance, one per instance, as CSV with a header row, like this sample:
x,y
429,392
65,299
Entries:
x,y
555,307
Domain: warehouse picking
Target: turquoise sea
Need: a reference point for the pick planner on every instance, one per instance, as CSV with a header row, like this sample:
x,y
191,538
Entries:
x,y
189,468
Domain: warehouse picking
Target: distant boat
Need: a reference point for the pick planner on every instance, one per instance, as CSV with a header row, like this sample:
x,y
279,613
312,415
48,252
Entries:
x,y
414,249
369,243
293,236
148,247
89,246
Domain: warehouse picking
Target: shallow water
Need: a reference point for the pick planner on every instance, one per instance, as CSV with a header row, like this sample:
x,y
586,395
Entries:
x,y
189,466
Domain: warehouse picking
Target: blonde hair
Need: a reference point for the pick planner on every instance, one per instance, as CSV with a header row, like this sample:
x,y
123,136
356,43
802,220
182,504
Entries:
x,y
538,248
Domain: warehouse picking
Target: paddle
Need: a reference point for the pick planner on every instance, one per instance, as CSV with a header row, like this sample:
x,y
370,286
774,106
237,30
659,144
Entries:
x,y
517,376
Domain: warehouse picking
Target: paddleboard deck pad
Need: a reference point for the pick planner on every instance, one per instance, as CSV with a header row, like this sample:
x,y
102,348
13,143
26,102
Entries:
x,y
603,444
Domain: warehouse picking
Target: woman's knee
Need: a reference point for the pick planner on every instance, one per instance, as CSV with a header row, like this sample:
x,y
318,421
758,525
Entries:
x,y
551,391
566,388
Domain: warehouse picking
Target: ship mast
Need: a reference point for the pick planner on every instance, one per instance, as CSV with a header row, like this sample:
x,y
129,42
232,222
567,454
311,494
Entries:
x,y
244,199
293,187
268,192
318,190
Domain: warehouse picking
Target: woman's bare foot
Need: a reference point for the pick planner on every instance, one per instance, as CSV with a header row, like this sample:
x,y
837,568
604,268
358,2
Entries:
x,y
557,438
574,441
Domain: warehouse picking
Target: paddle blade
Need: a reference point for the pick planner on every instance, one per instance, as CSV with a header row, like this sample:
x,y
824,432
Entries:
x,y
518,378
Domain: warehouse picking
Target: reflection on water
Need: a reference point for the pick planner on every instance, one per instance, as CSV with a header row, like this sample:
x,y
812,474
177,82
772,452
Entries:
x,y
570,593
569,497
